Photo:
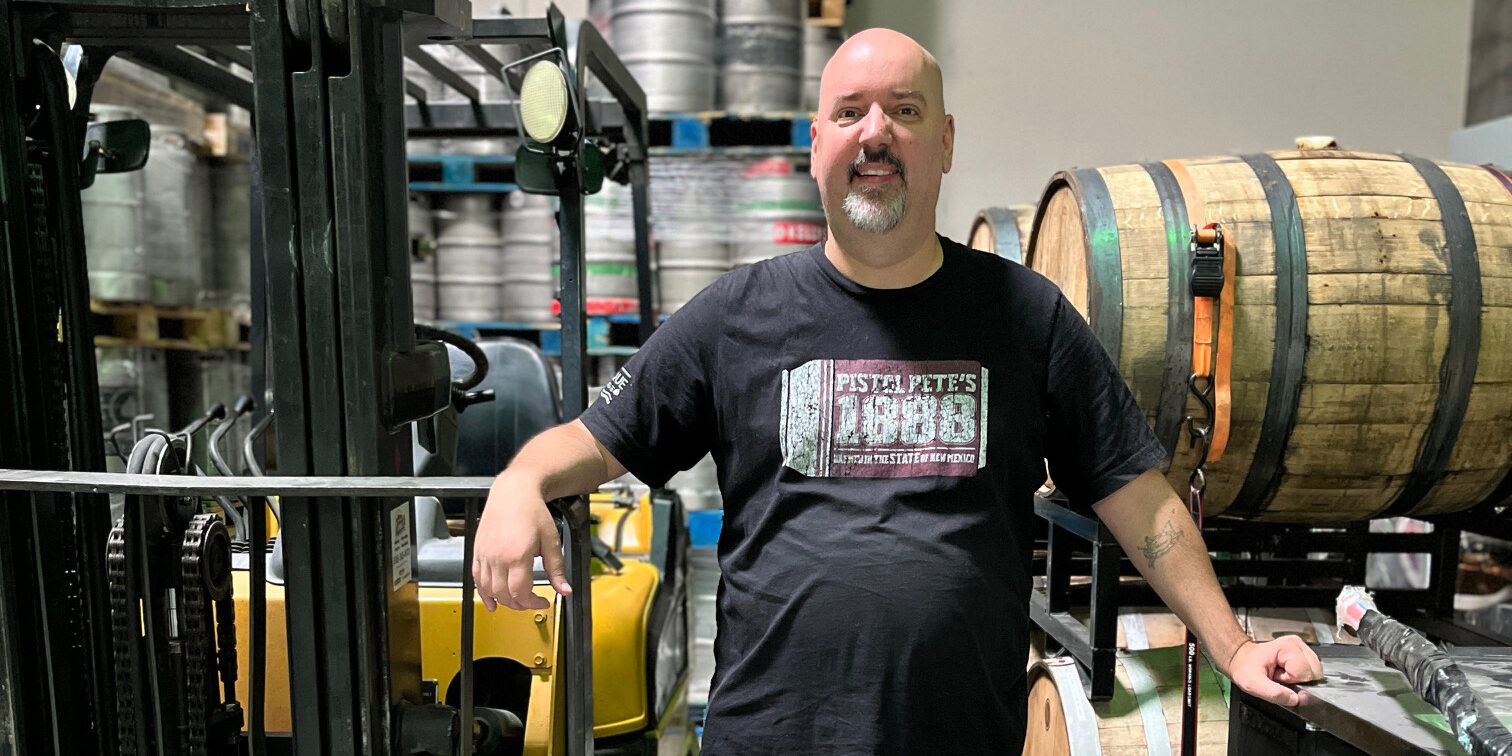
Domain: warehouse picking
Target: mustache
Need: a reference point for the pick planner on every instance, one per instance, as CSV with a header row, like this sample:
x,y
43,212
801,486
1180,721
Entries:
x,y
880,156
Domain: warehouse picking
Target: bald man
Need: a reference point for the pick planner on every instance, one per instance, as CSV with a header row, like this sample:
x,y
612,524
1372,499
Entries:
x,y
880,407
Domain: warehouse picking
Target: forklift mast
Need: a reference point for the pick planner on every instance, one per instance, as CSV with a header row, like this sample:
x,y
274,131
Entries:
x,y
333,333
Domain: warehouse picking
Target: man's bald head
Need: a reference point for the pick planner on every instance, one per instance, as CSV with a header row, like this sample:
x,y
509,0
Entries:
x,y
874,48
882,142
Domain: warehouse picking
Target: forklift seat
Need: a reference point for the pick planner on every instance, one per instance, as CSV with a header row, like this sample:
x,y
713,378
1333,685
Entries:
x,y
526,402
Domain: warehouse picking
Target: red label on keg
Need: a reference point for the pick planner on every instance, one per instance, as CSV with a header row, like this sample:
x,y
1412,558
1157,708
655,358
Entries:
x,y
797,232
770,167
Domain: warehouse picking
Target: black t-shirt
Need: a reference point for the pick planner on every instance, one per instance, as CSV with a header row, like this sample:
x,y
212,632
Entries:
x,y
877,543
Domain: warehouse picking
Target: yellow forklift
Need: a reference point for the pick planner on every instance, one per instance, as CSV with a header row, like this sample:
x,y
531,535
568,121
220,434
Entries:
x,y
504,392
639,596
151,636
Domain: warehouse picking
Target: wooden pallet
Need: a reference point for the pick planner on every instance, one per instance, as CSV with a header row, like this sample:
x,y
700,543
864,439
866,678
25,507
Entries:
x,y
826,12
183,328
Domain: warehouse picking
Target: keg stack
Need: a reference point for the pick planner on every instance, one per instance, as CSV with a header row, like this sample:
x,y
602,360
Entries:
x,y
777,211
668,46
760,55
819,45
469,257
171,233
609,237
530,252
230,277
690,208
422,238
114,219
169,256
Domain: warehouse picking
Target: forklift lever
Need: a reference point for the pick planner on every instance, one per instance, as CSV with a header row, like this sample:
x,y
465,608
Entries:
x,y
242,406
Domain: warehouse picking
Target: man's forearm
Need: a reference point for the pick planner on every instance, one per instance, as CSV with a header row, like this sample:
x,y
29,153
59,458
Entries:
x,y
562,461
1158,534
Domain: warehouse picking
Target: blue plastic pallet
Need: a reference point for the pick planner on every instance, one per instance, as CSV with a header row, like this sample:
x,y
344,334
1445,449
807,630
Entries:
x,y
461,173
719,132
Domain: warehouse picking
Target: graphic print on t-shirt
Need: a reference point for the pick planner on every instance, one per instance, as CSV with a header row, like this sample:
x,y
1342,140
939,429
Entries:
x,y
884,418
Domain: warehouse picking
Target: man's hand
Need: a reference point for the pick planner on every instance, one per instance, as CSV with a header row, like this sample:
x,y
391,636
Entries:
x,y
1261,668
516,527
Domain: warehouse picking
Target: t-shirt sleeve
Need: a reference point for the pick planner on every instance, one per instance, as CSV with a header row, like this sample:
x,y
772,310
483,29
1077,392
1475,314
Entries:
x,y
656,416
1098,438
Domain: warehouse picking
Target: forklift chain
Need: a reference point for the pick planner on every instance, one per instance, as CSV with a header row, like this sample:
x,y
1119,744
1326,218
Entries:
x,y
123,636
45,285
201,573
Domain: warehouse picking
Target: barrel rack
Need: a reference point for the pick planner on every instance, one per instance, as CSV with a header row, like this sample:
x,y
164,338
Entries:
x,y
1259,565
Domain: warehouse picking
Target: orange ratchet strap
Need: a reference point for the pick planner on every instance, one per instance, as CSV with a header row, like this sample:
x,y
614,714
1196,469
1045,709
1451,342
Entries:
x,y
1213,267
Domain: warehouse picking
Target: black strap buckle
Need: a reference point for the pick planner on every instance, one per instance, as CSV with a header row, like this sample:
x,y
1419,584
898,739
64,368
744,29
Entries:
x,y
1207,266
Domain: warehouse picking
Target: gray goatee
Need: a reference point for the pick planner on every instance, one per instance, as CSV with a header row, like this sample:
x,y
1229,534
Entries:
x,y
876,209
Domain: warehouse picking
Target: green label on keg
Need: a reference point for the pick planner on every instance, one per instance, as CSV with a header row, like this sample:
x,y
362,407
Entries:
x,y
601,269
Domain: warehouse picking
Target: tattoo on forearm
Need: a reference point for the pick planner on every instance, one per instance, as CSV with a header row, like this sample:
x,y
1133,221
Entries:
x,y
1160,544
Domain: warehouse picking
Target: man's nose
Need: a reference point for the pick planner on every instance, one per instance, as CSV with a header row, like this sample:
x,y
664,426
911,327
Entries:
x,y
876,130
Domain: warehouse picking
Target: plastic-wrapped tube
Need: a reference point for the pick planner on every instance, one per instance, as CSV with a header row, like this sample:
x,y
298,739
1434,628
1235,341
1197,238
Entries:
x,y
1432,674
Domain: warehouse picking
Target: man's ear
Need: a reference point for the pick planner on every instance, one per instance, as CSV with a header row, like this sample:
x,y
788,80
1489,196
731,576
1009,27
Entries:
x,y
949,141
813,148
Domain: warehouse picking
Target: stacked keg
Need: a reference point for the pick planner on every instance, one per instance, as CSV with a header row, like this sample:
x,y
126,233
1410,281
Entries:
x,y
530,250
668,46
468,257
690,214
113,224
760,54
202,236
819,45
609,255
777,211
171,232
231,224
422,238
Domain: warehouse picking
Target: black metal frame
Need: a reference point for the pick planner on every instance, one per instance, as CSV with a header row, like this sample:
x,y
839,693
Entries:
x,y
1079,544
372,493
622,119
345,372
52,574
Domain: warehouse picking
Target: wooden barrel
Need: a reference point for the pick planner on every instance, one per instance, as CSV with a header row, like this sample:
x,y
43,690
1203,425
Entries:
x,y
1372,374
1003,231
1142,719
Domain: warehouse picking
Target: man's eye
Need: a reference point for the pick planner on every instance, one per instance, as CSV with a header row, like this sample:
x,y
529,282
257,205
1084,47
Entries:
x,y
848,113
908,110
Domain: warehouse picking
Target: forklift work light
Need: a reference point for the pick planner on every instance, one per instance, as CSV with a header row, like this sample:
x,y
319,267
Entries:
x,y
544,101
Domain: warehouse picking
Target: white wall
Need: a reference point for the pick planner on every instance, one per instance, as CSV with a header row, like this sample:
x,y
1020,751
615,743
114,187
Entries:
x,y
1038,86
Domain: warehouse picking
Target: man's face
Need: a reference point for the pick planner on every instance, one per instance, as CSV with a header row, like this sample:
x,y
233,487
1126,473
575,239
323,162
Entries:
x,y
881,136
